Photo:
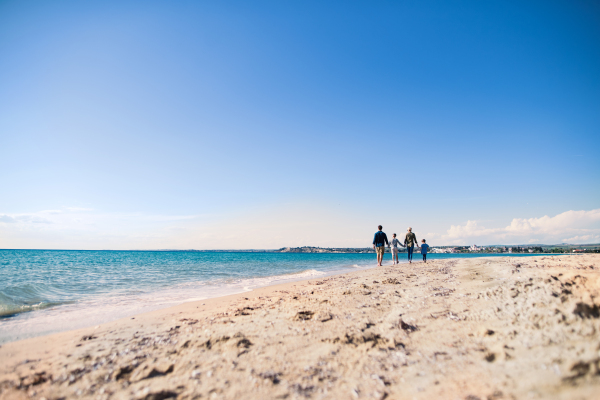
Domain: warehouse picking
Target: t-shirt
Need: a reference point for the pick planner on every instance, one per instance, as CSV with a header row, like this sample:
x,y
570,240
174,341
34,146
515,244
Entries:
x,y
424,248
410,239
380,239
395,242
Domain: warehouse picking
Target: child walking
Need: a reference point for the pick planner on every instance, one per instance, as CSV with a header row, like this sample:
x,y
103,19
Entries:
x,y
424,248
394,247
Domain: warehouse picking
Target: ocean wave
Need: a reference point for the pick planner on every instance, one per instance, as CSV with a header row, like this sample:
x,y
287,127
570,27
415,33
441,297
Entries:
x,y
20,299
11,310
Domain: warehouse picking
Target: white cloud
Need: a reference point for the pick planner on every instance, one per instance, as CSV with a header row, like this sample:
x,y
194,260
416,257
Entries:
x,y
7,219
77,228
470,229
565,221
569,226
24,218
583,239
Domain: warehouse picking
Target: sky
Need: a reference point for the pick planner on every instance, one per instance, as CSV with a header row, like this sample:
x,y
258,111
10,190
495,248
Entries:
x,y
267,124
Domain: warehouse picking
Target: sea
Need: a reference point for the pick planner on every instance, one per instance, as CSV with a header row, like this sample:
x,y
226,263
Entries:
x,y
48,291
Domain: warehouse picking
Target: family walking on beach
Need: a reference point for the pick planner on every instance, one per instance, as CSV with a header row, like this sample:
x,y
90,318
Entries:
x,y
410,240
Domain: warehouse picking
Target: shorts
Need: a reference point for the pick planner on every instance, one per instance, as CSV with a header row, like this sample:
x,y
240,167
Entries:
x,y
380,250
394,251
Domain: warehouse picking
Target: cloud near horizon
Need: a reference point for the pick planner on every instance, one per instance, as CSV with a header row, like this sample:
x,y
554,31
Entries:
x,y
292,225
568,227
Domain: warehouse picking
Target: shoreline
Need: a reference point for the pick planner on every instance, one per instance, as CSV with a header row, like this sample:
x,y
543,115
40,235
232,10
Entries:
x,y
77,313
244,285
421,329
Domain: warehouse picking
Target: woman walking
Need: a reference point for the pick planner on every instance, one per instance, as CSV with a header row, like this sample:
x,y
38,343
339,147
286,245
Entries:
x,y
409,241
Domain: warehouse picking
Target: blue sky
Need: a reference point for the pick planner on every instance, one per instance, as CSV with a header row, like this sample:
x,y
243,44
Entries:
x,y
185,124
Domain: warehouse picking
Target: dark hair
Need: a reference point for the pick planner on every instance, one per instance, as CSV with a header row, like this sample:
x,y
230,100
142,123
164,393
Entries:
x,y
380,227
423,240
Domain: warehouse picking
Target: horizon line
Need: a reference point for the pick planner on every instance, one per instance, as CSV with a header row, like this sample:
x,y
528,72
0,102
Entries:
x,y
315,247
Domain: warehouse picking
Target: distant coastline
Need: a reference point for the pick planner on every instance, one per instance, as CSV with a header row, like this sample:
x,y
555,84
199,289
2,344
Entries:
x,y
491,249
518,249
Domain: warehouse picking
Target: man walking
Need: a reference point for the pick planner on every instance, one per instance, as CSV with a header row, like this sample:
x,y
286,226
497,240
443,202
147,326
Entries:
x,y
409,241
379,242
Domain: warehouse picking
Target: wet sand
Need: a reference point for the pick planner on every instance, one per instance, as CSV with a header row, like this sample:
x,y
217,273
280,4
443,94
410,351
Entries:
x,y
485,328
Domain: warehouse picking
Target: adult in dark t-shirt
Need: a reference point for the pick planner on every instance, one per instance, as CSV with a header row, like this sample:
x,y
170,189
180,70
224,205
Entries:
x,y
379,242
409,241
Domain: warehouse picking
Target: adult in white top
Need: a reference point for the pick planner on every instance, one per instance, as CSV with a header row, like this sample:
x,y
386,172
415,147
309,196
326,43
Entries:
x,y
394,248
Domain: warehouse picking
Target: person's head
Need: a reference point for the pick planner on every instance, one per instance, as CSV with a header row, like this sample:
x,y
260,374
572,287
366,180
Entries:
x,y
394,235
423,241
409,229
380,227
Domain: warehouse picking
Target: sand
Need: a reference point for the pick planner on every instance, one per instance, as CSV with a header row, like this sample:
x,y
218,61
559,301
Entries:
x,y
485,328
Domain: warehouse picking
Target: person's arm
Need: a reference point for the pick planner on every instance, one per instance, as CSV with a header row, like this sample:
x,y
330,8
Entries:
x,y
374,238
386,241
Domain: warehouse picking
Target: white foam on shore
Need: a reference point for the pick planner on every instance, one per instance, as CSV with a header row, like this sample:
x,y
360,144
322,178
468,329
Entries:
x,y
253,283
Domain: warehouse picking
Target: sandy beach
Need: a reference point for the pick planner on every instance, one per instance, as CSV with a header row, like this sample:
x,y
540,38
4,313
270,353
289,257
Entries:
x,y
484,328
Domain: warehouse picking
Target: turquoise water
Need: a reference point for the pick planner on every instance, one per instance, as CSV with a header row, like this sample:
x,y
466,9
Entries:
x,y
45,291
